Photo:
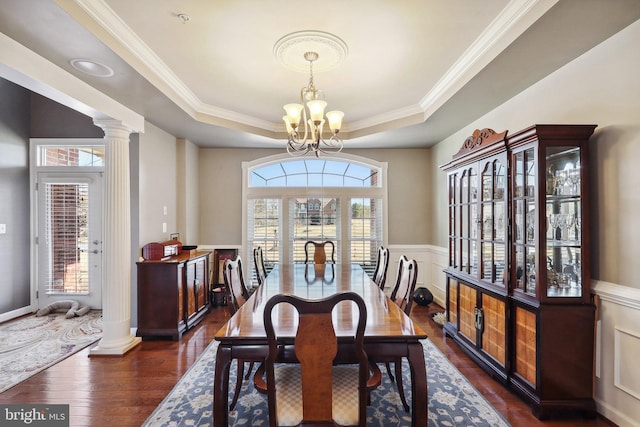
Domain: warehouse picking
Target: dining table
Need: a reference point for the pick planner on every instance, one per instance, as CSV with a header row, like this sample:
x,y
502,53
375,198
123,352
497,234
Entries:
x,y
389,332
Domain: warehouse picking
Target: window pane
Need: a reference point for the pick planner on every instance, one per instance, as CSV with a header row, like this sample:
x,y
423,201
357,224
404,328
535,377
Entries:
x,y
365,230
314,173
264,231
66,238
313,219
86,156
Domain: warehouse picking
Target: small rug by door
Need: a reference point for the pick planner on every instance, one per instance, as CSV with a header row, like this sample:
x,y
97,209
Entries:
x,y
453,401
30,344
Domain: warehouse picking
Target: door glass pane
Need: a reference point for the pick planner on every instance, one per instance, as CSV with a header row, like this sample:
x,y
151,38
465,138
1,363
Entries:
x,y
563,222
519,175
530,171
530,271
500,261
487,261
499,181
530,221
520,267
264,221
487,221
314,218
498,222
465,255
464,188
365,231
474,256
66,238
487,184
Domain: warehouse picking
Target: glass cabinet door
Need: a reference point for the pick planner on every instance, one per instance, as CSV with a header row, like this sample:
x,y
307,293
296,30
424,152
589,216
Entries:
x,y
463,220
524,221
494,221
563,222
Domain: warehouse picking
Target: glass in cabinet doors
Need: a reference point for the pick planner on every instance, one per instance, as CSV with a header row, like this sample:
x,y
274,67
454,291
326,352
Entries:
x,y
463,212
524,220
563,216
493,224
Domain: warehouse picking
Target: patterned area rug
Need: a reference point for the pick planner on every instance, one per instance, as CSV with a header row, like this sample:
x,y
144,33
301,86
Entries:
x,y
30,344
453,401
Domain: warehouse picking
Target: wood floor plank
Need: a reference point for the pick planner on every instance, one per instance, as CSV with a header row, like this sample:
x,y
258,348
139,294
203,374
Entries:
x,y
123,391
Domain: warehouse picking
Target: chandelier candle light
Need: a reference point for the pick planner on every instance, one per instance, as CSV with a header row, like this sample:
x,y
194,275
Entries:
x,y
313,121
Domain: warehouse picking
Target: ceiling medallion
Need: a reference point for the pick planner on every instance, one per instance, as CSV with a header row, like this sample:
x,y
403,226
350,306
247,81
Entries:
x,y
290,50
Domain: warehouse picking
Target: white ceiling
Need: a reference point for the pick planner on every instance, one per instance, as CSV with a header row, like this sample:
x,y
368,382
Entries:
x,y
415,71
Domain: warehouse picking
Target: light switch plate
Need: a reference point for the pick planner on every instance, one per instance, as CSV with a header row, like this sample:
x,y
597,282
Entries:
x,y
3,228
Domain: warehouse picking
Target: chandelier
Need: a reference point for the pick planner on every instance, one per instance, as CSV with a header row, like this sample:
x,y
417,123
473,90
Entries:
x,y
311,111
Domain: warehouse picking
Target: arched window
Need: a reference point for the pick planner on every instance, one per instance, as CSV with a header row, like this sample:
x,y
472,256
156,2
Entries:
x,y
288,201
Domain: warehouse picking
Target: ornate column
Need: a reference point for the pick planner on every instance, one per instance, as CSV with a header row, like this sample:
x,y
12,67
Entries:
x,y
116,247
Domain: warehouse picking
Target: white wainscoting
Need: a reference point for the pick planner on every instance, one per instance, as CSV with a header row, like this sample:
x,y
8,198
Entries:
x,y
618,353
432,260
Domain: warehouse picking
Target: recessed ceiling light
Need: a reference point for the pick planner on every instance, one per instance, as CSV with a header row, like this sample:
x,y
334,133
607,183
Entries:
x,y
92,68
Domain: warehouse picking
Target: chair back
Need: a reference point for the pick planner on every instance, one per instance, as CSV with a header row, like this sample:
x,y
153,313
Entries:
x,y
380,275
319,254
316,346
405,283
237,292
258,263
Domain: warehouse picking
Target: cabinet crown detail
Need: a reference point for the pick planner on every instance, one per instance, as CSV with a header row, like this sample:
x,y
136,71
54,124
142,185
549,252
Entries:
x,y
479,139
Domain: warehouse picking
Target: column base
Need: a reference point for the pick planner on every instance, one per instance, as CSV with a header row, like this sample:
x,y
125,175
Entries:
x,y
117,350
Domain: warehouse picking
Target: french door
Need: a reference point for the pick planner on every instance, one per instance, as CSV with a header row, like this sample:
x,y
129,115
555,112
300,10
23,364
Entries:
x,y
69,237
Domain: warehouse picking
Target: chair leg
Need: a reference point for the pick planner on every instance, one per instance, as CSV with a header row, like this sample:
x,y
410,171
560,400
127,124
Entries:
x,y
398,369
238,385
246,377
389,371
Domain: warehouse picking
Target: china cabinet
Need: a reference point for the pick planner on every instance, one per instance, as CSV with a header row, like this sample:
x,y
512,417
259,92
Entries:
x,y
518,291
478,227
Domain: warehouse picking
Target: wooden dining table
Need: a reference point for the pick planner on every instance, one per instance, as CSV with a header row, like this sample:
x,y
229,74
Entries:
x,y
389,331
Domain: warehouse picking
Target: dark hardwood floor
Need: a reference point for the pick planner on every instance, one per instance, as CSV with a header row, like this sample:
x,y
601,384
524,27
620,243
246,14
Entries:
x,y
123,391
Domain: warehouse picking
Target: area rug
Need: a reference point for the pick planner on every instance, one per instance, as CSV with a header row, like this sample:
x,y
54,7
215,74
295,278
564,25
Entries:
x,y
30,344
453,401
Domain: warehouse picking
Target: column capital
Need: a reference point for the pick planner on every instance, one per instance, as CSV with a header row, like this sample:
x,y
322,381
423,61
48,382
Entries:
x,y
113,128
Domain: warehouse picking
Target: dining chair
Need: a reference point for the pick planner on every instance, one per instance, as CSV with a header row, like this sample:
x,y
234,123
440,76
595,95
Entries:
x,y
315,390
258,263
237,295
382,265
402,296
319,255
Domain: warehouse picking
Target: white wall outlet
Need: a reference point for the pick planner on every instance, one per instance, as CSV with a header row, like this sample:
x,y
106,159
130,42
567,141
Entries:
x,y
164,227
164,210
3,228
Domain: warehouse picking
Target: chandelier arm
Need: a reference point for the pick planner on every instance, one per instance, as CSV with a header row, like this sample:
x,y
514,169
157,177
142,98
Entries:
x,y
313,140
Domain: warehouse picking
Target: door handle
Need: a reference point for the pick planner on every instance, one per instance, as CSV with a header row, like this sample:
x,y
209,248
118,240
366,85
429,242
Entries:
x,y
479,319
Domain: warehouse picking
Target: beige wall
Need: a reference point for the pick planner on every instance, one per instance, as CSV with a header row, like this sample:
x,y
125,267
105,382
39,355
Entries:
x,y
600,87
188,191
157,184
221,198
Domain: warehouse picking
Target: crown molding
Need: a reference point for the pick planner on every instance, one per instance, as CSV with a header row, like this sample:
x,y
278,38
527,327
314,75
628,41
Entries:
x,y
512,21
